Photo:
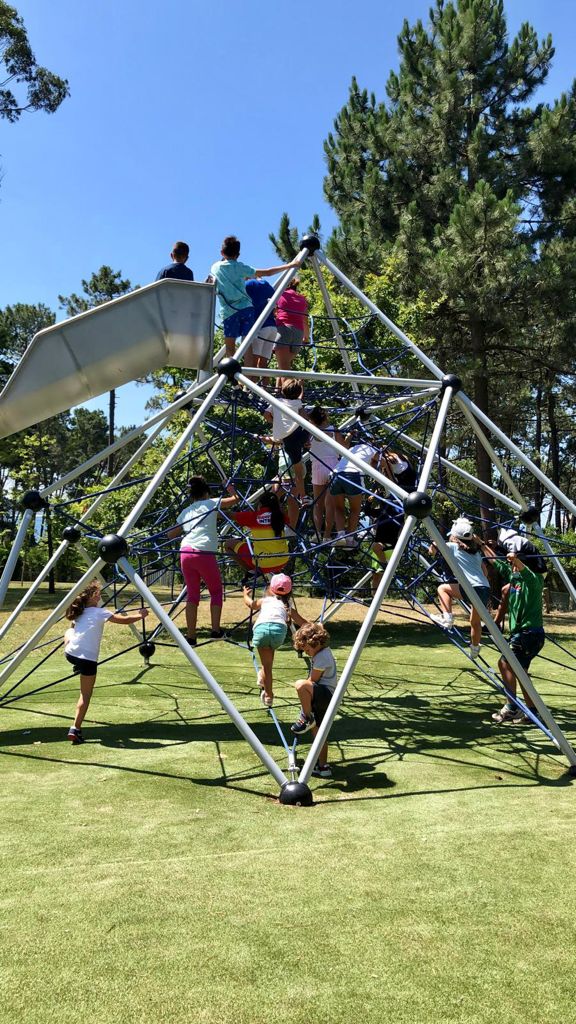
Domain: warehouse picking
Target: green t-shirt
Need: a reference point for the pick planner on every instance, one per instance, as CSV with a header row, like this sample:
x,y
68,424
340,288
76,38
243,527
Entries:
x,y
230,276
525,603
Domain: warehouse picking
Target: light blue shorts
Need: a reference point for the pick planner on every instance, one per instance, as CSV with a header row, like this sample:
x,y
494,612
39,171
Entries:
x,y
269,634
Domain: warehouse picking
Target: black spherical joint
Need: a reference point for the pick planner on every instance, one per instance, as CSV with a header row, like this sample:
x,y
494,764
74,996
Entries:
x,y
112,547
147,649
72,534
296,794
229,368
451,380
33,501
310,242
361,413
418,504
530,515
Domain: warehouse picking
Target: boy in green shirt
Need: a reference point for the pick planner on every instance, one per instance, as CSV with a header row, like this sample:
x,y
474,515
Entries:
x,y
526,630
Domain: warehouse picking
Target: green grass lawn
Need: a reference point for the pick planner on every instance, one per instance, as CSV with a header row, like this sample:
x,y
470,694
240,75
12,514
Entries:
x,y
151,875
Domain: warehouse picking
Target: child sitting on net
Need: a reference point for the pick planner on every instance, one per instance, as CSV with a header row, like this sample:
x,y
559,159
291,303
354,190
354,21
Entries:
x,y
270,627
82,645
293,438
465,547
315,692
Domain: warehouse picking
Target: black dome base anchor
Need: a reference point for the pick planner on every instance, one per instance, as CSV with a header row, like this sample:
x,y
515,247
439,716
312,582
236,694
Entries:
x,y
296,794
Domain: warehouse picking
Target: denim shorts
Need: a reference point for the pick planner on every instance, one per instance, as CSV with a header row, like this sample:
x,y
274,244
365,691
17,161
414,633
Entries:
x,y
526,644
269,634
347,483
237,325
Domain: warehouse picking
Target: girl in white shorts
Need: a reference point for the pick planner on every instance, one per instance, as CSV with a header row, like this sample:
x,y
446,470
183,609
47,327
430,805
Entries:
x,y
324,460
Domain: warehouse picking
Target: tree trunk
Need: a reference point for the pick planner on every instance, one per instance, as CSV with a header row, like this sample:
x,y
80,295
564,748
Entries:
x,y
554,454
111,429
538,446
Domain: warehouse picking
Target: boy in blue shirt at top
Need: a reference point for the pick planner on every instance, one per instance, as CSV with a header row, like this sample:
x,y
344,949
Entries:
x,y
229,275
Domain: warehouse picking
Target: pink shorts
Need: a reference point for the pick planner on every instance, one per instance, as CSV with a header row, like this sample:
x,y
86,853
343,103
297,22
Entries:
x,y
201,567
321,474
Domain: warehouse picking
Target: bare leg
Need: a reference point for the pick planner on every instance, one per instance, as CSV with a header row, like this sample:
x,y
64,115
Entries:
x,y
340,512
319,492
230,346
304,690
355,509
265,675
215,616
475,628
284,359
191,618
229,546
329,506
86,688
510,682
249,357
446,591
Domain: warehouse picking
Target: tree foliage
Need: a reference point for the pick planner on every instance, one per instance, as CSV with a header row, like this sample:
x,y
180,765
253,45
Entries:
x,y
24,84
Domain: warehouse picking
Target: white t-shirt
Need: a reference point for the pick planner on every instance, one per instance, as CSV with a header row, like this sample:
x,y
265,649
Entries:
x,y
200,524
363,451
83,639
272,609
324,661
322,451
282,425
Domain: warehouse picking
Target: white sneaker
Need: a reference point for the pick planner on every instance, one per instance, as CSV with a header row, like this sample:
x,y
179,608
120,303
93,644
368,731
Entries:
x,y
446,621
474,651
340,541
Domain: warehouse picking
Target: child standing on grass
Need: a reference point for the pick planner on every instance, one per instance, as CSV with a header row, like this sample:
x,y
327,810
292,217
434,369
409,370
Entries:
x,y
526,629
198,528
270,627
315,692
82,645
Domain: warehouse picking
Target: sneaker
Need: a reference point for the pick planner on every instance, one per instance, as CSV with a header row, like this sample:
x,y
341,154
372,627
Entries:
x,y
351,543
322,771
217,634
304,724
191,641
446,621
75,735
474,650
520,718
505,714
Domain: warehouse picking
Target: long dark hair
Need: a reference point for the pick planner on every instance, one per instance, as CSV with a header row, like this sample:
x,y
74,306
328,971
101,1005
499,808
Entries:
x,y
198,488
80,602
270,500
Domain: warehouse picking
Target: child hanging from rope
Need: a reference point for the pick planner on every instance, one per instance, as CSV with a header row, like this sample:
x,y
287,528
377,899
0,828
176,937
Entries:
x,y
198,527
82,645
315,692
270,627
293,438
465,547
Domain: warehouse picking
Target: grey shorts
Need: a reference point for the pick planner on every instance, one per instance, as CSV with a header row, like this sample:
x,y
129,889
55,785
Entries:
x,y
290,337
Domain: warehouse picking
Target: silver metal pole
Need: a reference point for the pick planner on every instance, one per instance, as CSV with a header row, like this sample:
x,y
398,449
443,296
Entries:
x,y
204,674
332,317
347,378
87,515
500,642
363,467
381,316
432,452
359,644
557,561
269,307
19,539
163,416
551,487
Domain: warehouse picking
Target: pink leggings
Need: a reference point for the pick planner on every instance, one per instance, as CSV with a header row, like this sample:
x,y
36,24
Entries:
x,y
200,566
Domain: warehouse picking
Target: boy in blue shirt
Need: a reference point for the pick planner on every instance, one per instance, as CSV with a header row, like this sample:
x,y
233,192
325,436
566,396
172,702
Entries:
x,y
229,275
177,268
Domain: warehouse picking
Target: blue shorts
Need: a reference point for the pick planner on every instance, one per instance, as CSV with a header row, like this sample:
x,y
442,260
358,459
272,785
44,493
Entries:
x,y
483,593
347,483
269,634
237,325
526,644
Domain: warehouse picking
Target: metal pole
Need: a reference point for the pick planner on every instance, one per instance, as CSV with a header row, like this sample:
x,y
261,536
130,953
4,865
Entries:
x,y
490,451
348,378
269,307
551,487
363,467
204,674
381,316
432,452
500,642
359,643
19,539
332,317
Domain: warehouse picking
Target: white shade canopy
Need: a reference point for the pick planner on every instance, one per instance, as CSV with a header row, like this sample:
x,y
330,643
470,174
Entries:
x,y
167,323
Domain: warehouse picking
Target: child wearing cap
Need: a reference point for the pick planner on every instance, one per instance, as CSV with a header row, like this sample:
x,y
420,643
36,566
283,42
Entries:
x,y
270,627
464,546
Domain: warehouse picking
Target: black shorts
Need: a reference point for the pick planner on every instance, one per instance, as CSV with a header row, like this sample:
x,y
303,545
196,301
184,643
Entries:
x,y
526,644
82,666
321,697
294,445
387,532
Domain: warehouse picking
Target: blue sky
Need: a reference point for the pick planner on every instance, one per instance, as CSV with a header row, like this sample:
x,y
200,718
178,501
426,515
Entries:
x,y
191,120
